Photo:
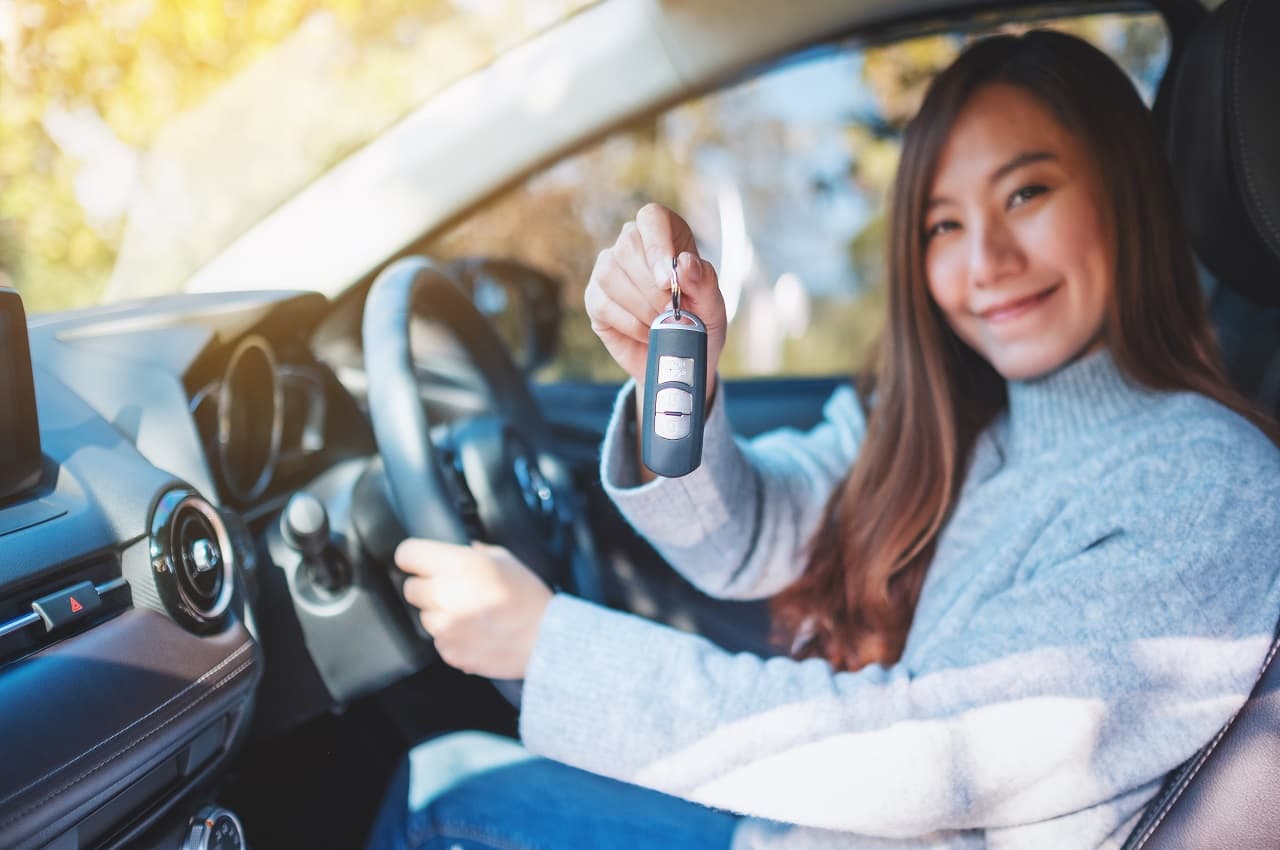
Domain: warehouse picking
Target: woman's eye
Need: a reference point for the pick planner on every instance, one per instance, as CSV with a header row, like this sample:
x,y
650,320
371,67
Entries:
x,y
1026,193
939,228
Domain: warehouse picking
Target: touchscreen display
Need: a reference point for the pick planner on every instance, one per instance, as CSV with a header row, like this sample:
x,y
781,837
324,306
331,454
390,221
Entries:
x,y
19,428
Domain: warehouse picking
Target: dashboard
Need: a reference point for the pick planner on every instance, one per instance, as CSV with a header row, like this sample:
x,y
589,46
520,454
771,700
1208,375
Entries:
x,y
154,563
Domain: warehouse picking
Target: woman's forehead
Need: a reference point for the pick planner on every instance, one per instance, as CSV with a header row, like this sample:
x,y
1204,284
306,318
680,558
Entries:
x,y
999,124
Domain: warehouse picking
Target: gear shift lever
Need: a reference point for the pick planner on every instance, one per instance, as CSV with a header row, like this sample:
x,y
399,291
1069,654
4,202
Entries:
x,y
305,527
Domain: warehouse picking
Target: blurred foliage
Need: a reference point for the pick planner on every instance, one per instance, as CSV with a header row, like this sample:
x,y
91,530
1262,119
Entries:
x,y
195,118
777,160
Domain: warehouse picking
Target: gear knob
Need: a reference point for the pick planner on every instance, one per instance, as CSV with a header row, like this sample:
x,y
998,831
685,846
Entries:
x,y
305,524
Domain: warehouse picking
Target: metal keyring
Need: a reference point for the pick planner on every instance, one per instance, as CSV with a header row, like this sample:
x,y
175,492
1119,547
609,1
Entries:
x,y
675,290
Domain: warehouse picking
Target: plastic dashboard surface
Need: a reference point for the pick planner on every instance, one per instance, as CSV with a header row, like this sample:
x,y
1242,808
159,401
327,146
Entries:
x,y
103,711
92,711
108,719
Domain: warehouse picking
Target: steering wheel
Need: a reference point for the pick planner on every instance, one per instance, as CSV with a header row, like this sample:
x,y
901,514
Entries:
x,y
490,476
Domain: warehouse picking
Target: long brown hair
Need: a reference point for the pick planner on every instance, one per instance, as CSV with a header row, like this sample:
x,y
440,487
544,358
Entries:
x,y
934,394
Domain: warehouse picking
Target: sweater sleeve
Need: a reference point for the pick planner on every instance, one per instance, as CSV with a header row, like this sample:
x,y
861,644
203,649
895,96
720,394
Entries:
x,y
736,526
1096,674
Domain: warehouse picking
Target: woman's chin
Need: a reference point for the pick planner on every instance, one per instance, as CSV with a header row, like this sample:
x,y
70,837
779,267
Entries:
x,y
1026,361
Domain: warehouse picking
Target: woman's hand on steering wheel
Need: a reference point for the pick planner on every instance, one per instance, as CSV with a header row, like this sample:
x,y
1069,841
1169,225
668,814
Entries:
x,y
482,606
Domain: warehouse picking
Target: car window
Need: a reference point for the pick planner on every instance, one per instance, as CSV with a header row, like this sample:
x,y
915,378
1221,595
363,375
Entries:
x,y
140,139
784,180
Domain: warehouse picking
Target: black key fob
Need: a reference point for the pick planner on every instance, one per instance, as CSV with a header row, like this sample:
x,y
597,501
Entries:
x,y
675,392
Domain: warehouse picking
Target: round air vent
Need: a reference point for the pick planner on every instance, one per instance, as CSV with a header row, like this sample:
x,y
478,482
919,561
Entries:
x,y
191,557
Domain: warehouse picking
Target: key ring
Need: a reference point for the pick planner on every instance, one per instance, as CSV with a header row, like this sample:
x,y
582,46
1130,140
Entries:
x,y
675,290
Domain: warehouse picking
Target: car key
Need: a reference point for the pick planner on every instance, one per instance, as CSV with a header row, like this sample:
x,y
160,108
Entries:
x,y
675,390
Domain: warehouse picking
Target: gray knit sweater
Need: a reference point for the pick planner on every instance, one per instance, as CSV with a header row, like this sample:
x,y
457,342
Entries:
x,y
1098,606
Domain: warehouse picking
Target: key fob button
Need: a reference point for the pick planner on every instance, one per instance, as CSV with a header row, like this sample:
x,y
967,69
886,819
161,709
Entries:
x,y
673,400
672,368
672,426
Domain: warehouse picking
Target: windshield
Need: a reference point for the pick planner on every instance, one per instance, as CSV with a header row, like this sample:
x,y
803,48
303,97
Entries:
x,y
142,137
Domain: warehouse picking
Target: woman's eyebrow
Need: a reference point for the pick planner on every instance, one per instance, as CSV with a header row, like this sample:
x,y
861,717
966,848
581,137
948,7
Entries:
x,y
1024,158
1019,161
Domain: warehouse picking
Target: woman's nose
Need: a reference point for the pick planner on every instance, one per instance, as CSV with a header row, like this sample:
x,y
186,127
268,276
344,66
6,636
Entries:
x,y
993,253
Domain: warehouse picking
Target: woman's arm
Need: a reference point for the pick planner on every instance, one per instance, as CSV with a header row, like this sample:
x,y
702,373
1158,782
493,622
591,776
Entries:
x,y
736,526
1092,677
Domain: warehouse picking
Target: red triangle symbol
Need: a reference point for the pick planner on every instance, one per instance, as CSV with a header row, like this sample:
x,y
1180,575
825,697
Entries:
x,y
75,606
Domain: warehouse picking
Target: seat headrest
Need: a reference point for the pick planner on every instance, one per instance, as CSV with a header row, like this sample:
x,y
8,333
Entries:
x,y
1223,140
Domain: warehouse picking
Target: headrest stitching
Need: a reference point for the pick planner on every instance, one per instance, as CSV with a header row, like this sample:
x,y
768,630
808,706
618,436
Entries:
x,y
1269,230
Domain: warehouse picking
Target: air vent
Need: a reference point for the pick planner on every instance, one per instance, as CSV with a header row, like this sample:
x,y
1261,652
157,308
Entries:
x,y
191,557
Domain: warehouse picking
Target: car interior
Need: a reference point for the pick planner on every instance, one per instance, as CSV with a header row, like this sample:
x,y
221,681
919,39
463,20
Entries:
x,y
202,641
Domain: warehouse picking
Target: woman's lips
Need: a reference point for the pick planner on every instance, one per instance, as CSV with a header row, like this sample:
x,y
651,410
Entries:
x,y
1017,307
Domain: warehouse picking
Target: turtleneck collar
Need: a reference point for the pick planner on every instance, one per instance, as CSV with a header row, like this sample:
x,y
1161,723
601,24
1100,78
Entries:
x,y
1069,402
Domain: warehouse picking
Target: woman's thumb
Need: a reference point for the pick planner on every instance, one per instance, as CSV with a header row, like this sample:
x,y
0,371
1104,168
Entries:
x,y
698,284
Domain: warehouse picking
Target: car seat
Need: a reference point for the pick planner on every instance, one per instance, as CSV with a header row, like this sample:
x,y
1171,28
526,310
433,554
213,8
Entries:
x,y
1222,128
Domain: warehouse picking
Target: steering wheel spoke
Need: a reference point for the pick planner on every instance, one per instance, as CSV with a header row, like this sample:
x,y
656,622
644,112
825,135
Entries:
x,y
487,474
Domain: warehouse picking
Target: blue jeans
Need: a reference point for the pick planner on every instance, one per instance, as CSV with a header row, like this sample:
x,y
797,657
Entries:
x,y
476,791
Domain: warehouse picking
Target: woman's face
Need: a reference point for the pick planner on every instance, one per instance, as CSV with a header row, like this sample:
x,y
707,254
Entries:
x,y
1017,250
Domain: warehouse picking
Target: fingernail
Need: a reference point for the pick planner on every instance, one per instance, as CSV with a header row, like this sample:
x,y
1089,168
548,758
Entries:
x,y
694,272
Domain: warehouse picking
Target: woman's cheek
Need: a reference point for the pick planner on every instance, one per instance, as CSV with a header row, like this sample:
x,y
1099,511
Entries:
x,y
1064,231
946,285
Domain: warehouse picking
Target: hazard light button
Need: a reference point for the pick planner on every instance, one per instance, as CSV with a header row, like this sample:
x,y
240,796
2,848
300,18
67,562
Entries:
x,y
68,605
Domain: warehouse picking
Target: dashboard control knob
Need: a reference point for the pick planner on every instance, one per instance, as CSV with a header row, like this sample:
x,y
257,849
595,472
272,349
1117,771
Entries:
x,y
304,524
215,828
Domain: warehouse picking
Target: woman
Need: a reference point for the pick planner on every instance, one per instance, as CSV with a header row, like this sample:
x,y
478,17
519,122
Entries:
x,y
1019,591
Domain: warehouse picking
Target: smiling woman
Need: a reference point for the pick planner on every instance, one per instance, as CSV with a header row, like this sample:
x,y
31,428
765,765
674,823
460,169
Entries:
x,y
1016,256
1034,224
1000,574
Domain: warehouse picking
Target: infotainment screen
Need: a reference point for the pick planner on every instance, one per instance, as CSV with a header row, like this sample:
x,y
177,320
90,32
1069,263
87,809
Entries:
x,y
20,461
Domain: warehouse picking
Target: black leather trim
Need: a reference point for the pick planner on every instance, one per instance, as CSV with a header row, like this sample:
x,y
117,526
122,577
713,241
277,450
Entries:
x,y
1225,795
89,715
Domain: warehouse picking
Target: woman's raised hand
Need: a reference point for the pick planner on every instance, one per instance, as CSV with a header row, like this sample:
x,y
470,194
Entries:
x,y
631,284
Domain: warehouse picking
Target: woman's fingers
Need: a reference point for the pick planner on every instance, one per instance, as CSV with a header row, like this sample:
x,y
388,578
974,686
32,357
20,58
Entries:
x,y
664,235
417,592
606,315
619,324
625,337
631,285
615,284
700,289
632,258
421,557
693,290
482,605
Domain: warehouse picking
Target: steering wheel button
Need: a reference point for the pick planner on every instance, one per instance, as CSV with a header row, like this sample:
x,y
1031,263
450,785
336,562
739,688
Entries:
x,y
672,400
672,368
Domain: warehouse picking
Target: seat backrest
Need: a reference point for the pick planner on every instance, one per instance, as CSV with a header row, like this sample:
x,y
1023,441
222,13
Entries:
x,y
1228,794
1223,137
1222,134
1222,123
